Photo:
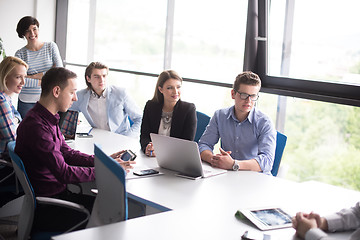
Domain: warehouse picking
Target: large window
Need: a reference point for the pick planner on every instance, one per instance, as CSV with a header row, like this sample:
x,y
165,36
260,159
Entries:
x,y
209,39
122,34
323,43
307,54
323,143
313,53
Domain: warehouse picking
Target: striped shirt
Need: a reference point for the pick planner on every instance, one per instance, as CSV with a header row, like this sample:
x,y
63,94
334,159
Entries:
x,y
9,119
39,62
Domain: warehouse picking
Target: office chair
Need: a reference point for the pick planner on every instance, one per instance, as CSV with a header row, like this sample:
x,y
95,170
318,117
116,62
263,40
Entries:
x,y
30,202
130,121
280,146
5,164
202,122
111,204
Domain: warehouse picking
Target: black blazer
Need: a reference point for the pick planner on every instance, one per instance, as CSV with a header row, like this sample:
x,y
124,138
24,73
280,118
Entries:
x,y
183,124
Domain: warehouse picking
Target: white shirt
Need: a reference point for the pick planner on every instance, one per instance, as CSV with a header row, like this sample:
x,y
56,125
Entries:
x,y
97,110
165,123
346,219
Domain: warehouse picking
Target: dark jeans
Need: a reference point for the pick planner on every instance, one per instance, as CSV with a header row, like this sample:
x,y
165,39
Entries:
x,y
24,107
59,219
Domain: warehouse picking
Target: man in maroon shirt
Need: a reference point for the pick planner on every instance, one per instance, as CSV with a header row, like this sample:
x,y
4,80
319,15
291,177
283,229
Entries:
x,y
49,162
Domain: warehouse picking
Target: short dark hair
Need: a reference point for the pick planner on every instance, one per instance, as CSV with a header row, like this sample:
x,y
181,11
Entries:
x,y
57,76
90,68
247,78
163,77
24,25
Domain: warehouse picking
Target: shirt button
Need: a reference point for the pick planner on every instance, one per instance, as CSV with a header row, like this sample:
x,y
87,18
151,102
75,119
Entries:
x,y
237,137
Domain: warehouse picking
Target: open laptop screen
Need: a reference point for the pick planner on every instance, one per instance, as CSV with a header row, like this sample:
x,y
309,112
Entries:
x,y
68,124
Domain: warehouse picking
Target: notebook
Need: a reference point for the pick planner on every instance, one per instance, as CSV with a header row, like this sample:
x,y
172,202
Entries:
x,y
181,156
68,123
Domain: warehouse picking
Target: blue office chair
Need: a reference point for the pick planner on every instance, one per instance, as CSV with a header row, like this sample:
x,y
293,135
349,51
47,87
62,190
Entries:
x,y
202,122
30,202
111,204
280,146
130,121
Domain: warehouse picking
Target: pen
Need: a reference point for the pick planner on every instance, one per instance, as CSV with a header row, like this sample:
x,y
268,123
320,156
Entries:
x,y
151,153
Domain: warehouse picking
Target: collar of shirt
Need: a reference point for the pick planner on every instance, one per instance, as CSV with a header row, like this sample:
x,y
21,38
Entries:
x,y
231,114
53,119
93,94
3,95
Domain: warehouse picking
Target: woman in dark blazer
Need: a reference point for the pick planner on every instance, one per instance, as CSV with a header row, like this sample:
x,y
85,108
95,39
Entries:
x,y
166,114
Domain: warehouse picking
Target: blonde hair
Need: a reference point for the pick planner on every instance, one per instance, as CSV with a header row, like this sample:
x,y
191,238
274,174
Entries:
x,y
6,66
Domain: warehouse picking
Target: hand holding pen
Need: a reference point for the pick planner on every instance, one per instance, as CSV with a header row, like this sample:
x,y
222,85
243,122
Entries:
x,y
149,151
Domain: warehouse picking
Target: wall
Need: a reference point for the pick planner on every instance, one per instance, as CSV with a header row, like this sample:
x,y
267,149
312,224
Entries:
x,y
11,11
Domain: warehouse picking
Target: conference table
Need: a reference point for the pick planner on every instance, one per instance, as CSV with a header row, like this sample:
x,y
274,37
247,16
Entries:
x,y
180,208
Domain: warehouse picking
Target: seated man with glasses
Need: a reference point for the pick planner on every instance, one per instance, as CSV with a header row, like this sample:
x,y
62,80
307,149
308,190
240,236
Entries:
x,y
248,136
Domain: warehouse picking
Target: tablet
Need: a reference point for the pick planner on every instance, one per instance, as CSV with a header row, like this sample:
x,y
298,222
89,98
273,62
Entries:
x,y
268,218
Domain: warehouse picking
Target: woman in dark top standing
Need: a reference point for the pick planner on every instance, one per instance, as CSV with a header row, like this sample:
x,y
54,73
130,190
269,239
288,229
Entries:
x,y
166,114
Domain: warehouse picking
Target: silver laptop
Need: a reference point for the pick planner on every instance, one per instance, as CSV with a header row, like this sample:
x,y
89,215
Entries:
x,y
181,156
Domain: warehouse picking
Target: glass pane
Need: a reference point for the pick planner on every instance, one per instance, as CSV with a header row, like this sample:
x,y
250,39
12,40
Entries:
x,y
126,34
209,39
325,40
77,31
323,143
130,34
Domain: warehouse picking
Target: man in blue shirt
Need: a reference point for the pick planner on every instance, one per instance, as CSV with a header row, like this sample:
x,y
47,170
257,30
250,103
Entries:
x,y
248,136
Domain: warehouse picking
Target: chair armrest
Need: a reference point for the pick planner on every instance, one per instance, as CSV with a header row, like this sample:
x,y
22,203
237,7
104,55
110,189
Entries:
x,y
73,186
6,163
66,204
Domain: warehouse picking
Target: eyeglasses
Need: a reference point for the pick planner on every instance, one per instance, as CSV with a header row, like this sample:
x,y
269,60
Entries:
x,y
244,96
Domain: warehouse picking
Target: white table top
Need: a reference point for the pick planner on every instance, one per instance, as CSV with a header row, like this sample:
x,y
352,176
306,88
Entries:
x,y
205,208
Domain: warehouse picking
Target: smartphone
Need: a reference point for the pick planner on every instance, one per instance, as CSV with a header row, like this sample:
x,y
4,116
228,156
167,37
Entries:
x,y
145,172
128,156
252,235
84,135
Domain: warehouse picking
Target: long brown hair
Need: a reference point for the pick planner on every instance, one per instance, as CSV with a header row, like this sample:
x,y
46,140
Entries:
x,y
163,77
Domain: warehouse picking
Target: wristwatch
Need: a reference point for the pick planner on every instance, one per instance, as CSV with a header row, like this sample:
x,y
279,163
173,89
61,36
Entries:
x,y
236,166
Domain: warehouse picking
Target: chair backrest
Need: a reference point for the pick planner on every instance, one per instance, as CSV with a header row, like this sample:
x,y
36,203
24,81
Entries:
x,y
28,208
280,146
111,201
202,122
130,121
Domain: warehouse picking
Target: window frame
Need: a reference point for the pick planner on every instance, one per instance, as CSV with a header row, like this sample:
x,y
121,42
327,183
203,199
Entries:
x,y
255,59
340,93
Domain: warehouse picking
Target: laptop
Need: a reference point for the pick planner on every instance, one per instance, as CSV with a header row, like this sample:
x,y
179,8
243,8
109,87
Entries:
x,y
181,156
68,123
